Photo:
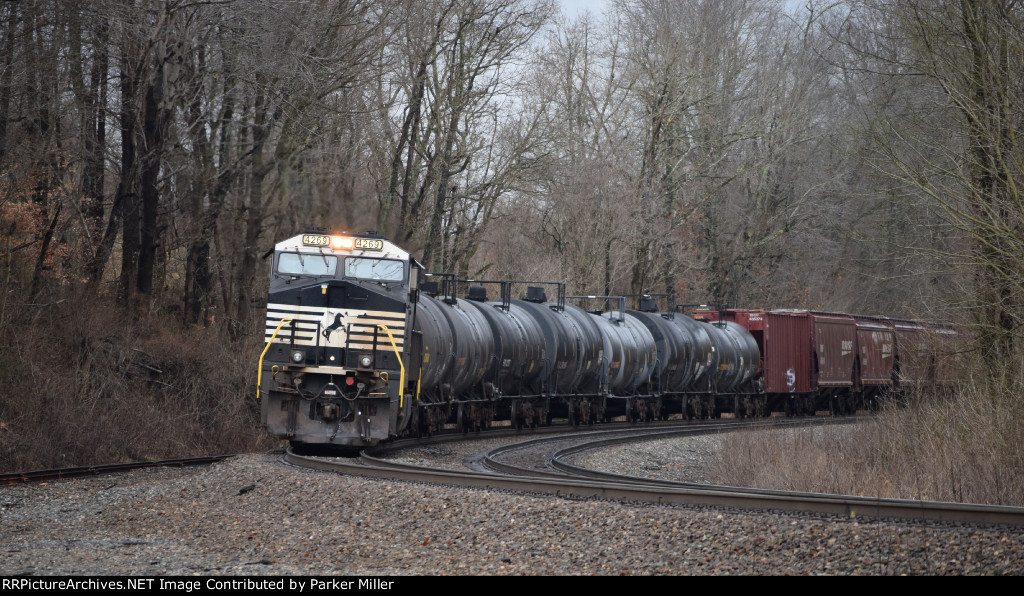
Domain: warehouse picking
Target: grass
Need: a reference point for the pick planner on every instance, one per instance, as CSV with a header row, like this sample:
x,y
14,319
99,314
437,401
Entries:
x,y
82,382
963,446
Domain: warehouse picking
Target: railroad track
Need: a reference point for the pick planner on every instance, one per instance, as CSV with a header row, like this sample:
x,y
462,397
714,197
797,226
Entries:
x,y
540,464
84,471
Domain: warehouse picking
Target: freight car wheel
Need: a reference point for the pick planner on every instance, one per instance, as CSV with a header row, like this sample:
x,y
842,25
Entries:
x,y
460,420
416,423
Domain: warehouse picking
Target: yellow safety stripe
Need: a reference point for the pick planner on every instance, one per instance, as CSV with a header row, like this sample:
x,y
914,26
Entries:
x,y
259,373
401,378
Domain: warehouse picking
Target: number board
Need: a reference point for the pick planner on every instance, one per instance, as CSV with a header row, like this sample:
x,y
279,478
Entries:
x,y
316,240
369,244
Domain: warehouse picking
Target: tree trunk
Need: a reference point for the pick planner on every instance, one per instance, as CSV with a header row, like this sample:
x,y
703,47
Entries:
x,y
128,189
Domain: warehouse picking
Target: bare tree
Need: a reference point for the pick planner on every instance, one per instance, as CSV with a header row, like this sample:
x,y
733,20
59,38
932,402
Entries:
x,y
727,92
444,171
576,211
946,135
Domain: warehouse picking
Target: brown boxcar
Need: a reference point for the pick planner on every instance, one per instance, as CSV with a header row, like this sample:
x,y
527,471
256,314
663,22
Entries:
x,y
945,347
787,352
876,347
913,358
835,338
834,363
784,339
812,360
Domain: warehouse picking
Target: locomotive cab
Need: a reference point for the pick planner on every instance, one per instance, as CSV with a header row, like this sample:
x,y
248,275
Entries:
x,y
333,370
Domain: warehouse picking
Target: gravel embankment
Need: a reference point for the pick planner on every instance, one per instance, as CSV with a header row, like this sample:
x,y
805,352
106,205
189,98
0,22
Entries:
x,y
252,515
684,460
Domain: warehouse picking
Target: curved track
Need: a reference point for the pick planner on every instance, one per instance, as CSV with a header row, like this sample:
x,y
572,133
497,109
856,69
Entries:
x,y
538,465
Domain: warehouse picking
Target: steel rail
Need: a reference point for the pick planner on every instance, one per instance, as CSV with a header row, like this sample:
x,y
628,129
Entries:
x,y
83,471
640,490
557,460
631,435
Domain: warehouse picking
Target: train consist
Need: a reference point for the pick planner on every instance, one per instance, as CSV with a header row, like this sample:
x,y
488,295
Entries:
x,y
362,346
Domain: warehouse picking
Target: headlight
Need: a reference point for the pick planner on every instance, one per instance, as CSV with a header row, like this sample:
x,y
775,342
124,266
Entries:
x,y
365,361
298,356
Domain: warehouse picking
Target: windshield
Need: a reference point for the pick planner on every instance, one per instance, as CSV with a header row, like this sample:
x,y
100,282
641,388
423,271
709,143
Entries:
x,y
377,269
293,263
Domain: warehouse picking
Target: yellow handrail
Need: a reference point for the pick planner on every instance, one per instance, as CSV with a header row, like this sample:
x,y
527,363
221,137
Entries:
x,y
401,378
259,374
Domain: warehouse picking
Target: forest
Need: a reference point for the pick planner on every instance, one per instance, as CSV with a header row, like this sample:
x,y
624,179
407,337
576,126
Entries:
x,y
849,155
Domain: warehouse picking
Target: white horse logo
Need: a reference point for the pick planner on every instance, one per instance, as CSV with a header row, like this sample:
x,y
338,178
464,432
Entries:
x,y
333,321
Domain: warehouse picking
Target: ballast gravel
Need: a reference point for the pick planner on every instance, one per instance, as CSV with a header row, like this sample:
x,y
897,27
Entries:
x,y
253,515
681,459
